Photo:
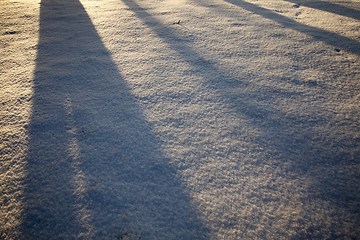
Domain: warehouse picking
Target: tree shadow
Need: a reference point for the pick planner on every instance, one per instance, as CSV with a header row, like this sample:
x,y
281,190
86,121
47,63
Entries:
x,y
333,39
94,169
291,139
329,7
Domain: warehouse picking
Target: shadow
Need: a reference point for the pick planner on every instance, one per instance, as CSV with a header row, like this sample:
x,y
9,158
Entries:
x,y
170,35
94,169
288,141
333,39
329,7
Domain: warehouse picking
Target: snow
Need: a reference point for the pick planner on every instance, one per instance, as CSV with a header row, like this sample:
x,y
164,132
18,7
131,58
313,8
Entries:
x,y
241,121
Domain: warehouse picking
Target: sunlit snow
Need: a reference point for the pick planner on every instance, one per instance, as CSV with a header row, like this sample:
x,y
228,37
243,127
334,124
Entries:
x,y
189,119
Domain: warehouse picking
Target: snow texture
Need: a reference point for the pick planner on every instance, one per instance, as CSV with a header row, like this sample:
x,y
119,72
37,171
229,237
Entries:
x,y
187,119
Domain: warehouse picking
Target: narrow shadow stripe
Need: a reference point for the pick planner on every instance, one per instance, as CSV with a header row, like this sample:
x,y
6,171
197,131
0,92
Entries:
x,y
329,7
333,39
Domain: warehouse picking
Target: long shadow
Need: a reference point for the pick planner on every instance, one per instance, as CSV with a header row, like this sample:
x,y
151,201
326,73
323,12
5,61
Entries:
x,y
329,7
333,39
289,139
94,170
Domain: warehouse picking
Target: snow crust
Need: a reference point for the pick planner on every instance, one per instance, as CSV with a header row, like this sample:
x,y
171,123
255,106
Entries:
x,y
189,119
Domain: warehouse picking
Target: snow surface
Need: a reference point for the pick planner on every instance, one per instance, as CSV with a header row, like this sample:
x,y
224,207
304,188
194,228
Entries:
x,y
240,121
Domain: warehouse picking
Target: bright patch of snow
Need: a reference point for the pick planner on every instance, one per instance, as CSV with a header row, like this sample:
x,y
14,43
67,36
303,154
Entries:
x,y
191,119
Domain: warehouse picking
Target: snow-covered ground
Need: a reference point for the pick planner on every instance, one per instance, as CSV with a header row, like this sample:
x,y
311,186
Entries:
x,y
180,119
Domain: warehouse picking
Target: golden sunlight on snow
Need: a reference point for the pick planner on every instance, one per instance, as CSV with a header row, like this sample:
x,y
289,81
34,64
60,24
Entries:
x,y
251,190
189,119
305,12
19,24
